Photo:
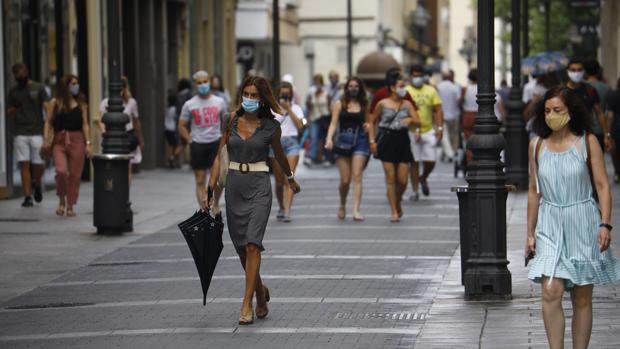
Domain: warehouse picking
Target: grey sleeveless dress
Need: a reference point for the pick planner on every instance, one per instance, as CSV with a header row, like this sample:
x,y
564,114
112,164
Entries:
x,y
248,195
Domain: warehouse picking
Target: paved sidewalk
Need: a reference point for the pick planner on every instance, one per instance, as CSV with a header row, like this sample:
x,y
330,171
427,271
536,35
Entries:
x,y
36,246
334,284
518,323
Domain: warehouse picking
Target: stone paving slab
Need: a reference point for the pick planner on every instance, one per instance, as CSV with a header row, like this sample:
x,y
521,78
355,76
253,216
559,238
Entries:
x,y
361,295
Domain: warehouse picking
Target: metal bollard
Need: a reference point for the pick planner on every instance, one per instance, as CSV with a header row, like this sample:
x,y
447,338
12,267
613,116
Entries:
x,y
112,209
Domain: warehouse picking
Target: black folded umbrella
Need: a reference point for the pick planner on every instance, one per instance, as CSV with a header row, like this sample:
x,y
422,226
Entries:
x,y
203,234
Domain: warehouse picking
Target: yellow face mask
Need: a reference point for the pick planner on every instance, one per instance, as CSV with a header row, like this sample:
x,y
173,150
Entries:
x,y
556,121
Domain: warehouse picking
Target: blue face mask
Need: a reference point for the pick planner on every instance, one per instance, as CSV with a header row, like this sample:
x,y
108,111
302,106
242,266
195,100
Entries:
x,y
250,105
203,89
74,89
417,81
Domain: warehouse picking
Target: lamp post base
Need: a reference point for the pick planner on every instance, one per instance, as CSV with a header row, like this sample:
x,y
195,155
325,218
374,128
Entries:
x,y
488,282
112,214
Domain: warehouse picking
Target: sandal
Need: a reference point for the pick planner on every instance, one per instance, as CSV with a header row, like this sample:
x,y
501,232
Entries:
x,y
246,319
60,211
395,219
70,212
342,213
357,217
260,313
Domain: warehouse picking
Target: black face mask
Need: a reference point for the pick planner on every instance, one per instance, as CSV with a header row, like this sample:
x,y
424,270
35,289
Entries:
x,y
22,81
353,92
285,97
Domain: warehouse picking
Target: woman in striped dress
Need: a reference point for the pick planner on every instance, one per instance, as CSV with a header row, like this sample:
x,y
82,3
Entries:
x,y
567,229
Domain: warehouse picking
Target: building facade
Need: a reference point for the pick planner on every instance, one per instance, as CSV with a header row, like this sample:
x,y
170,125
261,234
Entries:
x,y
161,42
610,40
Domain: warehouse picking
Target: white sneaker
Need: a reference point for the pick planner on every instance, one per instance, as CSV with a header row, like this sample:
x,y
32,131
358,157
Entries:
x,y
308,162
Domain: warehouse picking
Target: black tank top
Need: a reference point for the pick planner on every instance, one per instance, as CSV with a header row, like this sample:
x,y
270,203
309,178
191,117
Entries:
x,y
68,120
351,120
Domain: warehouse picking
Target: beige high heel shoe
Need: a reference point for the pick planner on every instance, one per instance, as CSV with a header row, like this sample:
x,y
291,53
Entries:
x,y
246,319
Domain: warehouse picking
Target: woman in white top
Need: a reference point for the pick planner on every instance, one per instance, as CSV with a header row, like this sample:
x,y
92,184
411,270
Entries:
x,y
319,118
470,106
291,123
133,127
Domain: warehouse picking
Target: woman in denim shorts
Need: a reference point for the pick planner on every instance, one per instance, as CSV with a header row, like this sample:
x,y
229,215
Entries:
x,y
348,139
290,123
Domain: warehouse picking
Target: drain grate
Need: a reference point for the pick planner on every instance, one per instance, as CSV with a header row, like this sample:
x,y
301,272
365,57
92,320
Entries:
x,y
13,219
110,264
23,233
401,316
49,305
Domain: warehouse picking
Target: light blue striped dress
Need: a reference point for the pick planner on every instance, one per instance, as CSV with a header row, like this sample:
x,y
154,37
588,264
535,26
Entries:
x,y
568,220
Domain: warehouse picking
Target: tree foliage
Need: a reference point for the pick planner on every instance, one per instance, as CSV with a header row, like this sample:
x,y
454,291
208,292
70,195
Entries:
x,y
559,26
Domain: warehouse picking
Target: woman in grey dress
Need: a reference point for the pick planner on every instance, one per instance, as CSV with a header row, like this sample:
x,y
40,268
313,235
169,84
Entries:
x,y
250,131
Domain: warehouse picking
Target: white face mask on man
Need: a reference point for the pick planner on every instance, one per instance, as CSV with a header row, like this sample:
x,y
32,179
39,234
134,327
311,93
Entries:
x,y
575,76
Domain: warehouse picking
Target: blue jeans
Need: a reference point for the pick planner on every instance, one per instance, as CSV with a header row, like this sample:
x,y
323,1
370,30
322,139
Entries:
x,y
318,133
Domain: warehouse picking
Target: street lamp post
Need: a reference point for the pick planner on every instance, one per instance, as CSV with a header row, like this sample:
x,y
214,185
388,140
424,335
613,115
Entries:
x,y
349,40
276,43
468,47
420,19
486,275
516,137
112,211
547,6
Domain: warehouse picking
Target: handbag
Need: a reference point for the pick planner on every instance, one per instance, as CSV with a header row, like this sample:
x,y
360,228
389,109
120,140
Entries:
x,y
133,140
344,144
223,155
381,134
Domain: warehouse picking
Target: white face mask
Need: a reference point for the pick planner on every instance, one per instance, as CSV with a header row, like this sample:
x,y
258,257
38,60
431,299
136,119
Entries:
x,y
575,76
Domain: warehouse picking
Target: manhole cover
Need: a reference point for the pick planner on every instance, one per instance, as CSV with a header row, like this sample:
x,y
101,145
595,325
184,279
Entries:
x,y
401,316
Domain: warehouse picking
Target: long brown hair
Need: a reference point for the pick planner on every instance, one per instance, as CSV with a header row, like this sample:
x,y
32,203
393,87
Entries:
x,y
63,94
362,97
126,91
268,102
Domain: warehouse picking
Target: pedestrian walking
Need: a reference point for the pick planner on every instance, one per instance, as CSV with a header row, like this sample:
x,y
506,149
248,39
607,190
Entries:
x,y
173,148
67,135
204,111
450,93
26,102
317,104
290,124
218,89
425,137
334,90
349,140
184,93
567,230
133,126
591,99
391,144
613,115
384,92
250,132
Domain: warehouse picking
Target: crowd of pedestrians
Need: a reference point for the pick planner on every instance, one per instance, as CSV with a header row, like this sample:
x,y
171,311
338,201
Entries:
x,y
573,115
